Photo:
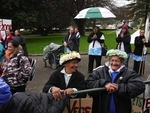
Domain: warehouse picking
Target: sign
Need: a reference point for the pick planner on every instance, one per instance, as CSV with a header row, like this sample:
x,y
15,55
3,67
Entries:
x,y
5,24
82,105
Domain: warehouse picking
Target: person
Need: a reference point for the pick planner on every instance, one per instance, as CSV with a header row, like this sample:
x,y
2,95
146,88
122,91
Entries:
x,y
20,38
70,41
27,102
76,30
16,77
9,37
2,53
121,84
139,56
67,79
95,40
123,41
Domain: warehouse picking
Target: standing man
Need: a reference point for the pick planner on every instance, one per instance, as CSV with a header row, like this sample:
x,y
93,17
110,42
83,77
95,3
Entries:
x,y
70,41
67,79
138,55
121,84
21,41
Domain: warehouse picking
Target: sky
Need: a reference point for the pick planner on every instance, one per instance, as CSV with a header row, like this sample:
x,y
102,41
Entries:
x,y
122,2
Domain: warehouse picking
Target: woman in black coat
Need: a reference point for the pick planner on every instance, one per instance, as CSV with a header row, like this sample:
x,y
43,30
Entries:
x,y
121,84
139,56
123,41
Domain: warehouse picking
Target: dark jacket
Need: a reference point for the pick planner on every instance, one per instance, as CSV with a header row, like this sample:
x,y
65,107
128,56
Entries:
x,y
99,34
57,79
34,103
130,86
138,43
126,41
72,43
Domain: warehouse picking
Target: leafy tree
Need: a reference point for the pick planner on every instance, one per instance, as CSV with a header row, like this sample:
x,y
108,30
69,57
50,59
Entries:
x,y
72,7
139,9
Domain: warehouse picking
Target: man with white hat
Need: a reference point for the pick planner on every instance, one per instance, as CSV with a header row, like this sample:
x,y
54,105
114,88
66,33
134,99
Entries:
x,y
67,79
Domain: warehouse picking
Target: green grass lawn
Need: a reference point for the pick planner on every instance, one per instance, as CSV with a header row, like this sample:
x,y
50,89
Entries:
x,y
35,44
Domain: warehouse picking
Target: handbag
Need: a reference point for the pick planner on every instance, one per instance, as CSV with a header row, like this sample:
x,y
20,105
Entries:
x,y
104,50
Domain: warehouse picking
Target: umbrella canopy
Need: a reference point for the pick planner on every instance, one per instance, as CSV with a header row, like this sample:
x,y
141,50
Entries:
x,y
95,12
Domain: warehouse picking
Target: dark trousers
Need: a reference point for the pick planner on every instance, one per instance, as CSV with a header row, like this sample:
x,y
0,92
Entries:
x,y
91,62
139,67
18,89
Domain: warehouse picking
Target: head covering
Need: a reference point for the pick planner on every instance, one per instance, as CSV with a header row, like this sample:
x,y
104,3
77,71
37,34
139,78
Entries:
x,y
124,27
5,93
72,55
116,52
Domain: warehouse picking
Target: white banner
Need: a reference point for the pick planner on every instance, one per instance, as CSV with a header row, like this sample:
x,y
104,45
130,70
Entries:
x,y
5,24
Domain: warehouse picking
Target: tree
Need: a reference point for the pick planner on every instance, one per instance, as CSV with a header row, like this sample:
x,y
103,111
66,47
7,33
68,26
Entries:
x,y
139,9
74,6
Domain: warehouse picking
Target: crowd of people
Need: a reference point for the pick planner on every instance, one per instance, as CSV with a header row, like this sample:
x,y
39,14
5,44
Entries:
x,y
120,82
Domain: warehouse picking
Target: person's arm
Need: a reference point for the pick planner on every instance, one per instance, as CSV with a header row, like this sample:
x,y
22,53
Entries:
x,y
138,41
22,40
119,39
52,82
90,38
101,38
126,39
131,85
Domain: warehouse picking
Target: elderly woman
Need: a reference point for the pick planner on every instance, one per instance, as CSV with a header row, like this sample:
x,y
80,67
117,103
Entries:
x,y
121,83
16,76
67,79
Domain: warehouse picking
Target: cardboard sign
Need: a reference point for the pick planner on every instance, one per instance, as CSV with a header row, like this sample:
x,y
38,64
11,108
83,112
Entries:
x,y
83,105
5,24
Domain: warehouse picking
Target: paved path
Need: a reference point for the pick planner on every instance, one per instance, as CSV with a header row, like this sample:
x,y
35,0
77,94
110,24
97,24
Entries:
x,y
43,73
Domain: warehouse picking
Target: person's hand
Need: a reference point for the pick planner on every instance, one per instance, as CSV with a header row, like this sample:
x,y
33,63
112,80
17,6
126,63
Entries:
x,y
121,35
65,44
68,91
111,87
57,93
94,36
144,40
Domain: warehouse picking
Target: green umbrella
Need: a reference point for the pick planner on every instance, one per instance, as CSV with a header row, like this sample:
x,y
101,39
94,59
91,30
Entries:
x,y
95,12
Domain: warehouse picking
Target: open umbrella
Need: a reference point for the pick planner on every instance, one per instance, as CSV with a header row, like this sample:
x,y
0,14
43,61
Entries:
x,y
95,12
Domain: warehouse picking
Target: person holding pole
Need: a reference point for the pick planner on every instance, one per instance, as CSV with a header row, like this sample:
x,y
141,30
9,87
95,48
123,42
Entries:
x,y
121,84
138,55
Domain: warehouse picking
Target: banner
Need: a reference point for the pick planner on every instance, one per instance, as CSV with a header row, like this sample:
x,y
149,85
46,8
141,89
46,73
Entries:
x,y
5,24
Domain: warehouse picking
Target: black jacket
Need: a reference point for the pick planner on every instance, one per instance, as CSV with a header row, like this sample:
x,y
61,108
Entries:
x,y
99,34
72,43
34,103
130,86
126,41
138,43
57,79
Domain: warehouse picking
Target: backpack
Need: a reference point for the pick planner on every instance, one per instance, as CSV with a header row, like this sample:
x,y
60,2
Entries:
x,y
32,63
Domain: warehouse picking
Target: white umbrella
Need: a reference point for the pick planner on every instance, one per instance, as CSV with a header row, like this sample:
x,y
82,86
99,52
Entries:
x,y
95,12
